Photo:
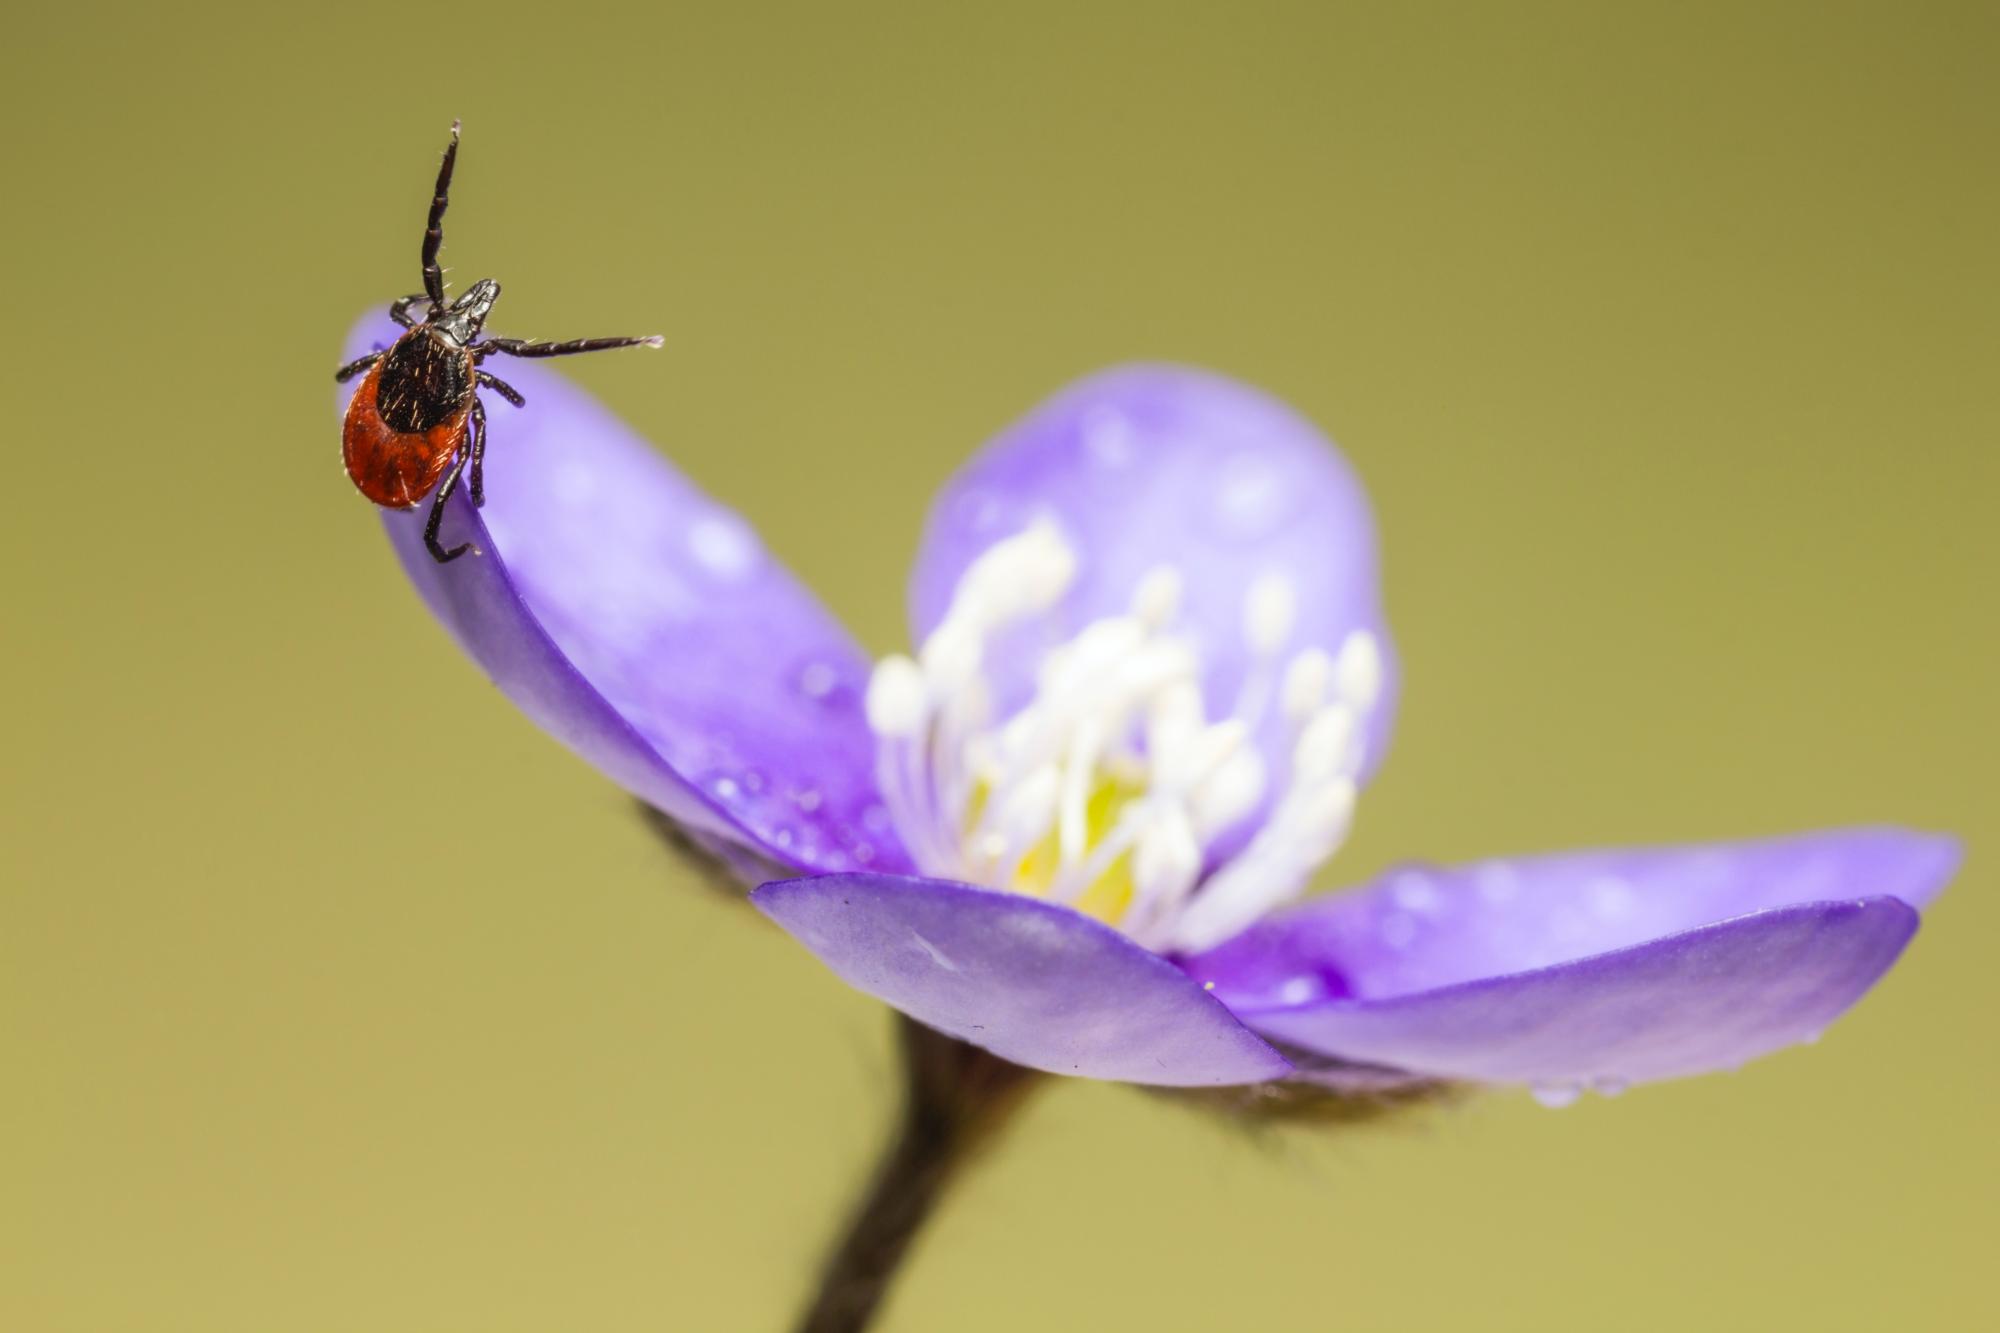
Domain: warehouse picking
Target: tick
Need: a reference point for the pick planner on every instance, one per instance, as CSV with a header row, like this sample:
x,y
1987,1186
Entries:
x,y
416,422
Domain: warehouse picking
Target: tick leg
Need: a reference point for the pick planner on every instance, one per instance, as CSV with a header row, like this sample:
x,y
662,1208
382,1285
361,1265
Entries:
x,y
478,480
444,490
517,347
400,311
502,387
355,367
434,227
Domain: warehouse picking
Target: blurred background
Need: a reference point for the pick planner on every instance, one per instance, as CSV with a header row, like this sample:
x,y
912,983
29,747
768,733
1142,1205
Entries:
x,y
1664,336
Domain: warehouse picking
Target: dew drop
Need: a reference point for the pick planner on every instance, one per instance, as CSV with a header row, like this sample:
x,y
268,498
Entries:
x,y
1414,892
723,544
1609,1085
817,680
1108,438
1556,1095
754,782
725,788
1298,990
1252,500
978,511
808,799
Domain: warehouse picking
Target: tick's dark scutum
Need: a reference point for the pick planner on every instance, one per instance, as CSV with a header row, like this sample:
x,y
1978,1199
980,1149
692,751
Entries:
x,y
427,378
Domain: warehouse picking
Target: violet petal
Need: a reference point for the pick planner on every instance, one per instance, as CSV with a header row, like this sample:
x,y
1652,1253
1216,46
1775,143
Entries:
x,y
1033,982
1152,465
1606,965
1419,927
647,628
1691,1003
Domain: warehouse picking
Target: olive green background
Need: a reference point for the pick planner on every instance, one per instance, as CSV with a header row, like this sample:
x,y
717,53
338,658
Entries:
x,y
333,996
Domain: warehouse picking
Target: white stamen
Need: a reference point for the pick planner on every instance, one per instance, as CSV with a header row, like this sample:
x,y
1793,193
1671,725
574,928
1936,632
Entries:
x,y
1114,759
1307,679
951,656
1230,795
1023,816
1269,613
1357,670
897,699
1072,813
1326,748
1303,831
1158,598
1173,721
1016,576
958,742
1164,863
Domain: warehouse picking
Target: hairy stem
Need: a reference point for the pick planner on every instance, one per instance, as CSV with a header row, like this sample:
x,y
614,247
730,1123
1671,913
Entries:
x,y
955,1097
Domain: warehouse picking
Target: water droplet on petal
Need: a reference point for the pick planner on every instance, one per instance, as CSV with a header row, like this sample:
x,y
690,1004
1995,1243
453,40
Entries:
x,y
1252,500
978,511
1108,438
723,544
1556,1095
817,680
1299,990
807,799
1414,892
725,788
1498,881
1609,1085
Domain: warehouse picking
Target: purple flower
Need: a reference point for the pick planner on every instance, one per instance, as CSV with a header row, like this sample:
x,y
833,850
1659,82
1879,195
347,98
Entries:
x,y
1152,677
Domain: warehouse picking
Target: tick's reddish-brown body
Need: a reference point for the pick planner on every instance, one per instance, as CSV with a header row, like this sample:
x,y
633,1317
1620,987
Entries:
x,y
415,421
398,468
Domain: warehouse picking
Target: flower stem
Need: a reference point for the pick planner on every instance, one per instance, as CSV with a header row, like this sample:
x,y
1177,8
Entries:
x,y
955,1097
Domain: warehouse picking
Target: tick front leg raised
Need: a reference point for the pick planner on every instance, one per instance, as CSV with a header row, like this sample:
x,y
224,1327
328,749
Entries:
x,y
518,347
434,227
